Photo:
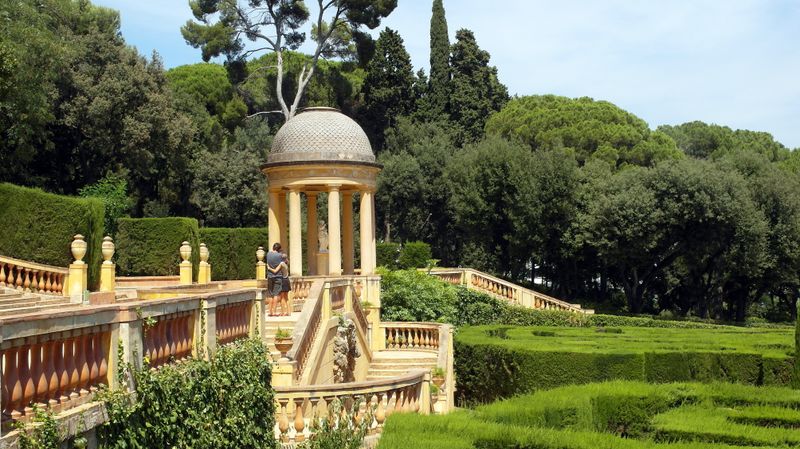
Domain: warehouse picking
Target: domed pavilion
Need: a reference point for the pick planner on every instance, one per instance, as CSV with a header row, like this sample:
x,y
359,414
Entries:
x,y
322,150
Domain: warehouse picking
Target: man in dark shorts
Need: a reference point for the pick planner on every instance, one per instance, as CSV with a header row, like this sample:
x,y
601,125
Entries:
x,y
274,280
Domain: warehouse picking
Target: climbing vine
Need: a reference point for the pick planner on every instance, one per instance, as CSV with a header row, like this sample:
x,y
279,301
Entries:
x,y
226,402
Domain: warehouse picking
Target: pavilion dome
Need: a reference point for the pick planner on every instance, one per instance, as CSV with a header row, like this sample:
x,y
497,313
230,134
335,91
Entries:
x,y
320,134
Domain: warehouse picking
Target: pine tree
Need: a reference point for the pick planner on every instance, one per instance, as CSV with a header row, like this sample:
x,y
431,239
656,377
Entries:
x,y
440,60
476,92
388,87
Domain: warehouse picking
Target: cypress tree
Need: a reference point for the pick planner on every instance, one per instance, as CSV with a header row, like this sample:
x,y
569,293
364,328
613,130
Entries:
x,y
440,60
388,87
476,92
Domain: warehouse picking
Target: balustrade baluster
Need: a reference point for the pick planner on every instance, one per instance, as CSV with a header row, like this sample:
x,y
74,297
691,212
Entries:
x,y
37,374
299,422
71,357
180,338
61,371
105,347
380,413
51,346
14,382
94,366
26,285
28,385
283,420
398,402
3,274
159,342
83,363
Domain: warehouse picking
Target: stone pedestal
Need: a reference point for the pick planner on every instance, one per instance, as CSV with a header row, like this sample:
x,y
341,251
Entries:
x,y
322,263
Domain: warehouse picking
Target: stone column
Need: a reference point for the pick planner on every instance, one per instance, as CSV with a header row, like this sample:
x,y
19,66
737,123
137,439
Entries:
x,y
334,232
367,254
107,269
373,259
312,234
348,247
273,226
283,234
185,265
295,234
78,270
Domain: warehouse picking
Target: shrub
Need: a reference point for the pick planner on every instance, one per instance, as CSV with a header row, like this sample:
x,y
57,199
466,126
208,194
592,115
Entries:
x,y
796,375
233,251
223,403
39,226
149,246
409,295
387,254
113,191
414,255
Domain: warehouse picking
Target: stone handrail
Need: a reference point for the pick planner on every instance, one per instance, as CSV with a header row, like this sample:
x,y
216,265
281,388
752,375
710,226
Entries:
x,y
301,288
411,335
58,358
375,400
60,369
306,329
502,289
33,277
233,321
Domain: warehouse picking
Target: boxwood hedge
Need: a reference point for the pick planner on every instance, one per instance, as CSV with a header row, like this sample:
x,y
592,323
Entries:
x,y
149,246
493,362
233,251
39,226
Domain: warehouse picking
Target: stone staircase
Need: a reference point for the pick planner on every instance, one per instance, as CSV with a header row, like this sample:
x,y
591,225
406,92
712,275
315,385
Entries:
x,y
389,364
272,323
15,302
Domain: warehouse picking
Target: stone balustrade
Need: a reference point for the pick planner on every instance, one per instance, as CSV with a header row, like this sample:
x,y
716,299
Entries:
x,y
170,339
33,277
301,287
504,290
412,336
373,401
59,369
233,322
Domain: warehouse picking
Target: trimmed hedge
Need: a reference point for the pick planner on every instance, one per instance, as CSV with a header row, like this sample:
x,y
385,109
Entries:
x,y
39,226
233,251
150,246
387,254
414,255
493,362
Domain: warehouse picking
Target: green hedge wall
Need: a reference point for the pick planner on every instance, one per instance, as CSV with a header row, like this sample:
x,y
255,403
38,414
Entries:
x,y
488,371
149,246
39,226
233,251
414,255
387,254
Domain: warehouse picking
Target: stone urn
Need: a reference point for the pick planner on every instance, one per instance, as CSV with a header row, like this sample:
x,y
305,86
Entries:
x,y
283,342
78,248
437,376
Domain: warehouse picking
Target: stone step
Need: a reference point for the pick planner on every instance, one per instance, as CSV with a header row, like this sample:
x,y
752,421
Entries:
x,y
19,300
11,295
21,310
19,305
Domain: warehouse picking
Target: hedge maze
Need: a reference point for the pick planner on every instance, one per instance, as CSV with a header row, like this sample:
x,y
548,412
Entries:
x,y
494,362
617,414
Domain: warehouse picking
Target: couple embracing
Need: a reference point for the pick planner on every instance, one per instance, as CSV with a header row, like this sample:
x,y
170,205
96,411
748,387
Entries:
x,y
278,284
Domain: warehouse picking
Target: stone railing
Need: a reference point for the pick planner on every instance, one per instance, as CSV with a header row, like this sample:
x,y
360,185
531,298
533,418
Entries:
x,y
301,288
169,339
411,336
33,277
59,369
59,357
297,406
306,330
502,289
233,321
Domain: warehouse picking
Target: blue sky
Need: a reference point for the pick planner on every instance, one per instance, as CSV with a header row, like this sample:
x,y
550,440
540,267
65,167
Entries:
x,y
730,62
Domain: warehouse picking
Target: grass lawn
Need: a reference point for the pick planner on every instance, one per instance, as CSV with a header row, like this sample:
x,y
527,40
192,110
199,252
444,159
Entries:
x,y
618,414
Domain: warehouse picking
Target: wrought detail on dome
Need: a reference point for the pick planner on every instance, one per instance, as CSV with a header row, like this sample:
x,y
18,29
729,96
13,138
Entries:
x,y
320,135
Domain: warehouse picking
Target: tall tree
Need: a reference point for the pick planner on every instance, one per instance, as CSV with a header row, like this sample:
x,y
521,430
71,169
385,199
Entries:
x,y
388,87
476,92
275,25
440,60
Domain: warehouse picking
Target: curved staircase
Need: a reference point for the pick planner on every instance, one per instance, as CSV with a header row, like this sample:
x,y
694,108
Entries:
x,y
15,302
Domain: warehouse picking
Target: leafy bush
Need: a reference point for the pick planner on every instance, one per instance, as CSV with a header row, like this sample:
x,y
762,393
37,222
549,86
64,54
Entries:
x,y
340,430
223,403
149,246
414,255
113,191
39,226
387,254
233,251
410,295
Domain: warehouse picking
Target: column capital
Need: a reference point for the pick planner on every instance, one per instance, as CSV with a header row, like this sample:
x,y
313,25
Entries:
x,y
334,187
297,189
